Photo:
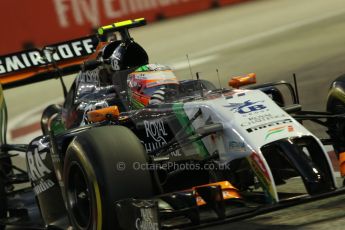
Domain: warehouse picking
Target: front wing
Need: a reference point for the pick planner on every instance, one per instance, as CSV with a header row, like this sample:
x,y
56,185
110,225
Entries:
x,y
180,209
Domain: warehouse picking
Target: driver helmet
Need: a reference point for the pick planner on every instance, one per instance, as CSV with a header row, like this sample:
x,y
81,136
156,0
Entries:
x,y
148,83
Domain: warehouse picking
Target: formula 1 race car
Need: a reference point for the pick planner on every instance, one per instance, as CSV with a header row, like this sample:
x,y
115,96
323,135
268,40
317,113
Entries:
x,y
199,156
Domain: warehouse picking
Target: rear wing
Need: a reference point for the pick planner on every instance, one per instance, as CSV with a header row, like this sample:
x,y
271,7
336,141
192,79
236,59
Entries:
x,y
34,65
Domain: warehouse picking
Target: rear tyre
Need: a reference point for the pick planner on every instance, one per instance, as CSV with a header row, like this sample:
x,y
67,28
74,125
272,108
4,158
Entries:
x,y
47,115
99,171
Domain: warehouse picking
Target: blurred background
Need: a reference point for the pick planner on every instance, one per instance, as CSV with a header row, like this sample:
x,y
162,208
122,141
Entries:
x,y
273,38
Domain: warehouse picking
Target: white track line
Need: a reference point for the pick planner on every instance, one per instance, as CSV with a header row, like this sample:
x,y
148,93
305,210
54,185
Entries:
x,y
16,121
193,62
265,34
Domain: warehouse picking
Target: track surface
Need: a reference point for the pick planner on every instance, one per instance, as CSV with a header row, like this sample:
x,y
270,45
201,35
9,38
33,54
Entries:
x,y
324,214
273,38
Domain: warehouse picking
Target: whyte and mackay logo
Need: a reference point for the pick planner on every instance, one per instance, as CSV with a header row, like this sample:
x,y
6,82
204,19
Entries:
x,y
246,107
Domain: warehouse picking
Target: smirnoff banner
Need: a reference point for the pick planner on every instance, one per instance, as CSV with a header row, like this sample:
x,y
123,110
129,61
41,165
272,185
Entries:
x,y
35,23
34,58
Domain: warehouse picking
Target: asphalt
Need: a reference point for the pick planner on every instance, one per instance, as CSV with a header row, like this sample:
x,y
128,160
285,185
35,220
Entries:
x,y
273,38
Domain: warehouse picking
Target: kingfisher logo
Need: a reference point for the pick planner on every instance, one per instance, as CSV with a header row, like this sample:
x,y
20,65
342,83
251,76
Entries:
x,y
246,107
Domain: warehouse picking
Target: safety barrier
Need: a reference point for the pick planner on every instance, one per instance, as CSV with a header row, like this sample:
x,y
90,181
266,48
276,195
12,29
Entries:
x,y
35,23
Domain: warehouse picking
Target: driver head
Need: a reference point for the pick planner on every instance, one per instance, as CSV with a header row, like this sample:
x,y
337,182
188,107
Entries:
x,y
147,80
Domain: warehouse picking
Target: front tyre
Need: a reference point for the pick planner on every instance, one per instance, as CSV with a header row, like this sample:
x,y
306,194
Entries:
x,y
94,181
3,205
336,105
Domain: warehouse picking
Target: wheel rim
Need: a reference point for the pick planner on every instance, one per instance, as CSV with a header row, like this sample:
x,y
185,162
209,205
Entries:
x,y
79,197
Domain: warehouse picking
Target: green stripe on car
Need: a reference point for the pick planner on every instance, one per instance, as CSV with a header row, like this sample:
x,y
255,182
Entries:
x,y
184,121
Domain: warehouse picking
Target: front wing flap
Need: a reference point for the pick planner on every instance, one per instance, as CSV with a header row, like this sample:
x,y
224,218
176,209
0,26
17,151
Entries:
x,y
178,209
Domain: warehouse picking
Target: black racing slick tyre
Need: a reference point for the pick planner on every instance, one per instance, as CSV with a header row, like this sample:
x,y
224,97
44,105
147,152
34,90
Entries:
x,y
47,114
3,205
98,171
336,105
336,128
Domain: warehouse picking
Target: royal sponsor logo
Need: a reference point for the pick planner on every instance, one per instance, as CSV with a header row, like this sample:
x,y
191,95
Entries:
x,y
155,130
34,58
